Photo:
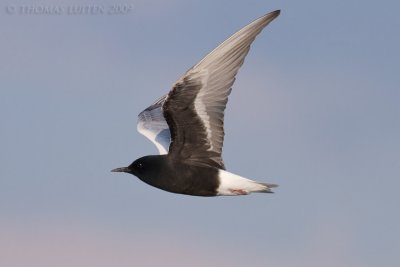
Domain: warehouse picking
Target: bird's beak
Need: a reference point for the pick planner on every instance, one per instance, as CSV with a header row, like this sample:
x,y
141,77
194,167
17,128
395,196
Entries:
x,y
123,169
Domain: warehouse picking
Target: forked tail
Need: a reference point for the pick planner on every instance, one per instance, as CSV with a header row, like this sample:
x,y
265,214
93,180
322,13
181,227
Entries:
x,y
232,185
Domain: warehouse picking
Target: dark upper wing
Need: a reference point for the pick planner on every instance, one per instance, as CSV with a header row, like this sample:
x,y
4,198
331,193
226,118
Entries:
x,y
194,108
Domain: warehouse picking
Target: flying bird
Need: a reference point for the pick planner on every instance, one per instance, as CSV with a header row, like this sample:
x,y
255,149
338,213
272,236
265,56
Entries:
x,y
187,125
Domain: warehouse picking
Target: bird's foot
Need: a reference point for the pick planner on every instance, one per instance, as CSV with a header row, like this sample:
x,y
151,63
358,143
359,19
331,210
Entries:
x,y
238,191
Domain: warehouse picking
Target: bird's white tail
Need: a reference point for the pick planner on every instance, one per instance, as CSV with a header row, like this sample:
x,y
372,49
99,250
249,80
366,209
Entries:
x,y
232,185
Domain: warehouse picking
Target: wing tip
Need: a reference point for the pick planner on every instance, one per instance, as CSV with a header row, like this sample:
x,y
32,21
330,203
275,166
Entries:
x,y
276,12
272,15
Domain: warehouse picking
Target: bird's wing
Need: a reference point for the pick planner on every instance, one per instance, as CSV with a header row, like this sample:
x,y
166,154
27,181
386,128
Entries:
x,y
194,108
152,124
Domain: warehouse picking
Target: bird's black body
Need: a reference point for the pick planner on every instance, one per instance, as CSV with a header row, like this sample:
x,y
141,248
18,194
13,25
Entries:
x,y
175,176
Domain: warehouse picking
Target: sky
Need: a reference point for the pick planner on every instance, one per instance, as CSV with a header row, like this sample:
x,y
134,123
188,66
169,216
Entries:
x,y
315,109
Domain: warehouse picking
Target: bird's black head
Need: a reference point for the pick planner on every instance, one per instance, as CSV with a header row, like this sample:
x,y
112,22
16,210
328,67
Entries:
x,y
143,168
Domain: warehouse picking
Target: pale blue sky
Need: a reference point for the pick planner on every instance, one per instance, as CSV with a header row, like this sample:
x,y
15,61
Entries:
x,y
315,109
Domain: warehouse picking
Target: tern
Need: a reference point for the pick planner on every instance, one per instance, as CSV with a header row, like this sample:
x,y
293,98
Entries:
x,y
187,125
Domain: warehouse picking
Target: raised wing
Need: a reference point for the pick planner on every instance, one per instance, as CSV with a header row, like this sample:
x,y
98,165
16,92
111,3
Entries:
x,y
194,108
152,124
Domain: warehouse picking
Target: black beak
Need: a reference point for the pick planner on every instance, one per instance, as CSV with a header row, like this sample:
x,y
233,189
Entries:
x,y
123,169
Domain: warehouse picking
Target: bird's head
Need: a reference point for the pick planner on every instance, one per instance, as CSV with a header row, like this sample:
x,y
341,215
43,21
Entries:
x,y
143,167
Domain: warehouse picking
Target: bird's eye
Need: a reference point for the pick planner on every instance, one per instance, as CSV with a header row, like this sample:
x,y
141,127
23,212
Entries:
x,y
139,166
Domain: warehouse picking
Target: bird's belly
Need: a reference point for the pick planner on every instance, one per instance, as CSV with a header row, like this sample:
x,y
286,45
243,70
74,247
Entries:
x,y
194,184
